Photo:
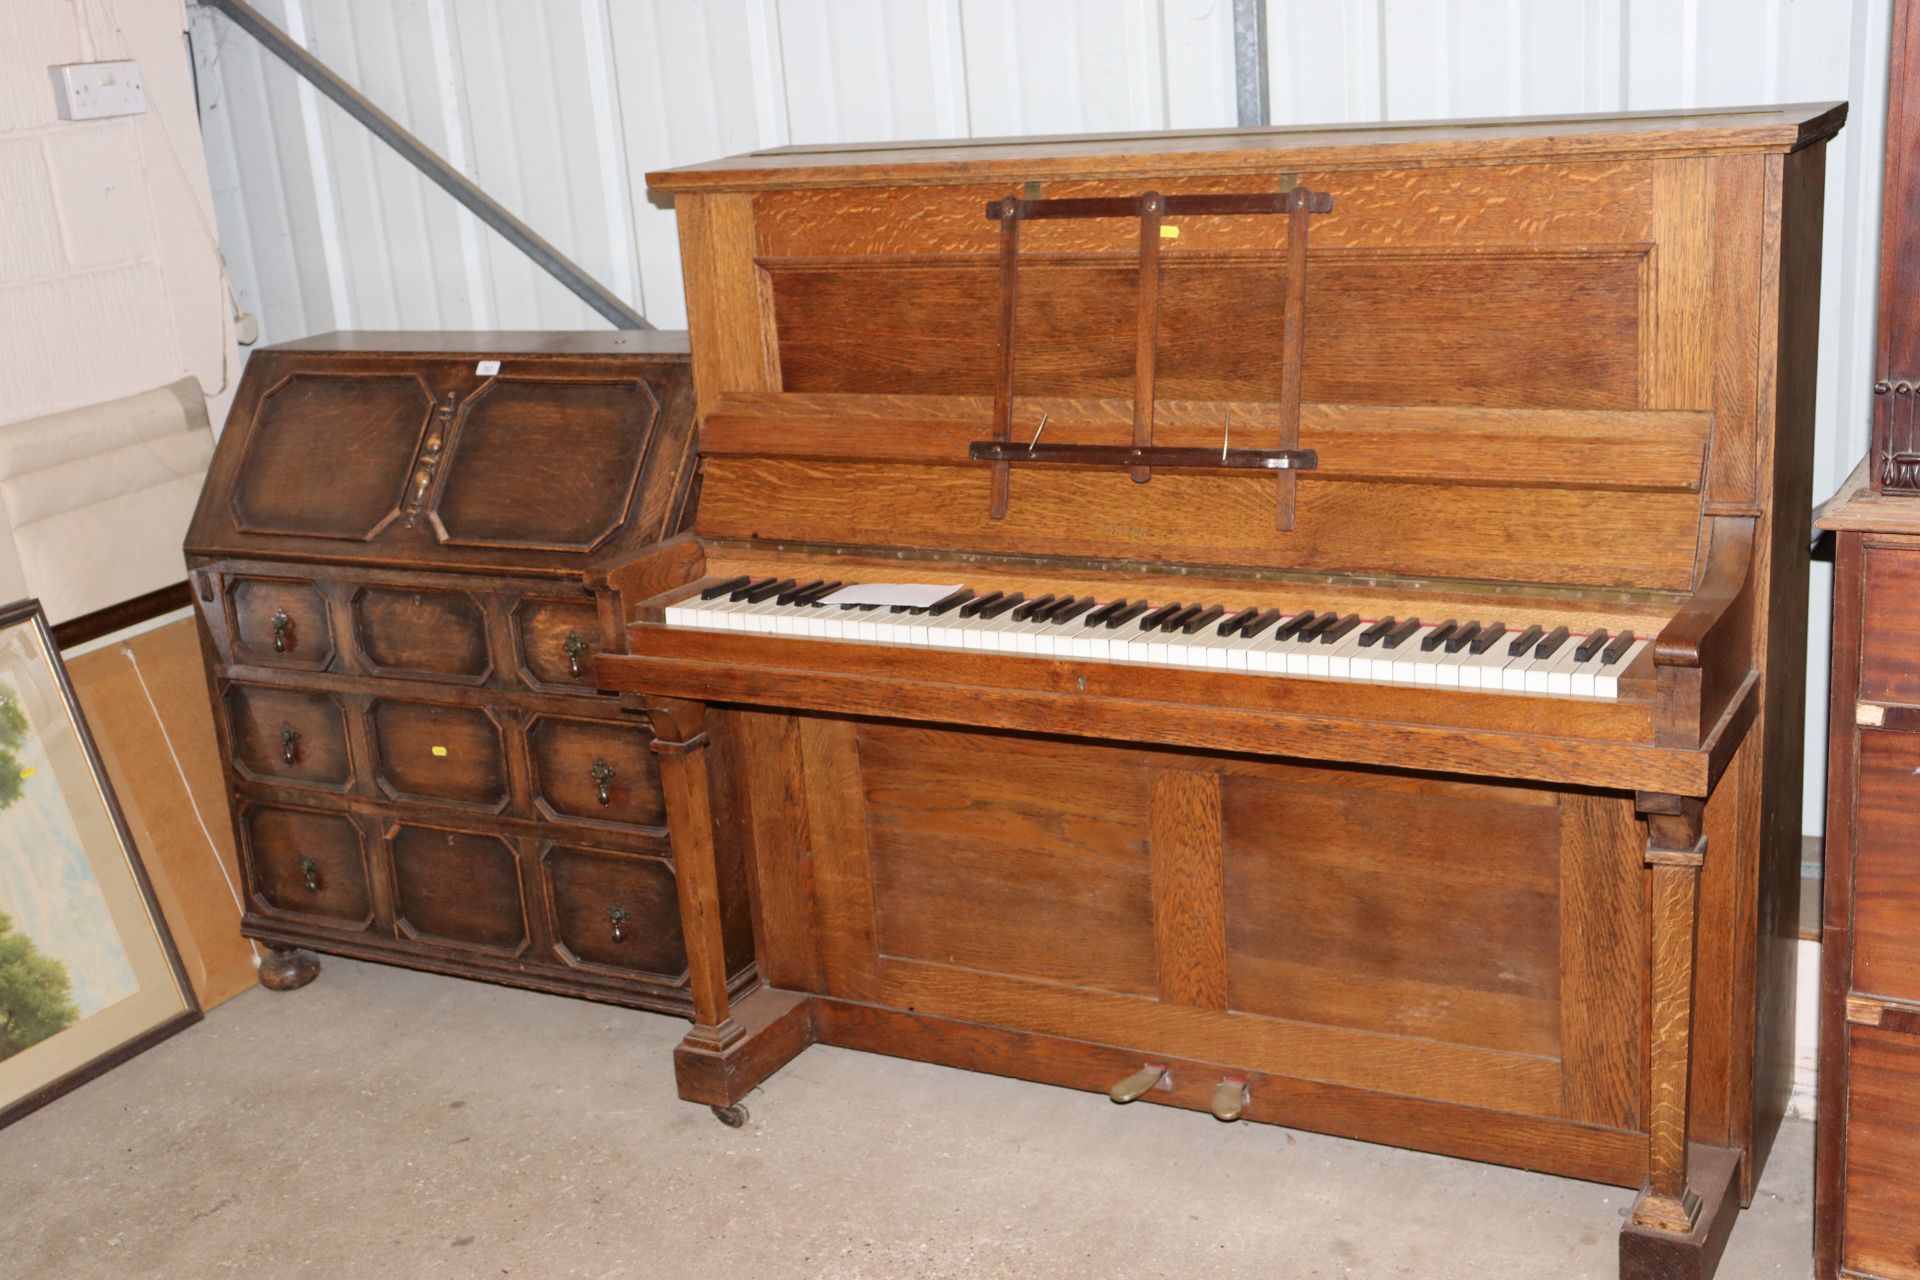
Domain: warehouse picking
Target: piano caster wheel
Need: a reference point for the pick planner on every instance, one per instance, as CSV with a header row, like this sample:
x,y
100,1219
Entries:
x,y
732,1117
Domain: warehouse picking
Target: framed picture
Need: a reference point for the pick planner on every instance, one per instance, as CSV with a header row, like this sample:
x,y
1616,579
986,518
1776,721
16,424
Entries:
x,y
88,974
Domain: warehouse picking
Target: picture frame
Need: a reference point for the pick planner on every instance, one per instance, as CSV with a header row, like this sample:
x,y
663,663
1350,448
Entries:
x,y
89,975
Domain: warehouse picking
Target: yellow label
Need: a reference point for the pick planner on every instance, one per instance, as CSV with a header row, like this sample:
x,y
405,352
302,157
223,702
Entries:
x,y
27,771
1169,233
440,751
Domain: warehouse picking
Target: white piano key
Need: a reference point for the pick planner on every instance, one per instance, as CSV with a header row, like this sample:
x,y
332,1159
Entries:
x,y
1607,683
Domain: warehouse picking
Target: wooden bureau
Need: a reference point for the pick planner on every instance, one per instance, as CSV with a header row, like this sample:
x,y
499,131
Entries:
x,y
391,564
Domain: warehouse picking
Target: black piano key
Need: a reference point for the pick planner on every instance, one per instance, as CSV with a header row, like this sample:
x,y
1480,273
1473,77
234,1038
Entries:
x,y
768,590
719,589
1590,646
1180,619
1026,611
1339,630
1260,624
1399,635
1371,636
1618,649
1159,616
1488,637
1551,645
1127,614
1439,635
952,602
740,593
1296,624
1237,621
819,593
1321,625
1063,614
795,592
1105,612
1462,637
1002,605
972,608
1203,619
1525,640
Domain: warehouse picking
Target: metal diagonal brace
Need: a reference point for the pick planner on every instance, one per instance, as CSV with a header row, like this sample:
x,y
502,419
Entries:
x,y
427,161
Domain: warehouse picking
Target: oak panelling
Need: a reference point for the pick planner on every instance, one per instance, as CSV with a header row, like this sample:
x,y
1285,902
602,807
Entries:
x,y
554,639
1535,448
1416,910
303,639
842,872
454,886
1626,540
734,348
1886,865
1680,371
427,750
1189,887
1882,1234
1728,895
1384,326
1388,1063
1568,204
359,430
572,760
432,635
613,911
306,864
1890,627
1603,932
1007,855
761,755
1740,308
289,735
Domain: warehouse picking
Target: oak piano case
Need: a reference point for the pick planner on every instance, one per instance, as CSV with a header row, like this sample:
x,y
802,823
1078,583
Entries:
x,y
1306,397
392,563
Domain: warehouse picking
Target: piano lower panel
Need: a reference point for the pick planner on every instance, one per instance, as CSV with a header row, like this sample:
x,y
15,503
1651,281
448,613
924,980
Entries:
x,y
1406,944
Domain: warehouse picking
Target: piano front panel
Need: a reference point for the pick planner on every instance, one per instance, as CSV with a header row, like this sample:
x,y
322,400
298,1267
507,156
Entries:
x,y
1396,933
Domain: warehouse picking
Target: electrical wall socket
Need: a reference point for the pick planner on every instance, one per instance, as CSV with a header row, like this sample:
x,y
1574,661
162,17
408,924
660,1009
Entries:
x,y
95,90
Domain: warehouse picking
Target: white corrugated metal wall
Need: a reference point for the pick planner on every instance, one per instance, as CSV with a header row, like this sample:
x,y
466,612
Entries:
x,y
560,107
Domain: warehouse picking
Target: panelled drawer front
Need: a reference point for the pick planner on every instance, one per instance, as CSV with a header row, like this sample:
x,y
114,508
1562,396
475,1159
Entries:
x,y
435,751
554,639
307,863
279,622
1881,1235
596,771
289,735
422,634
1886,871
614,911
1890,625
460,887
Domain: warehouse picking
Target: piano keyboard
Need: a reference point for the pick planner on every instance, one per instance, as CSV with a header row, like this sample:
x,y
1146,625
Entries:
x,y
1452,652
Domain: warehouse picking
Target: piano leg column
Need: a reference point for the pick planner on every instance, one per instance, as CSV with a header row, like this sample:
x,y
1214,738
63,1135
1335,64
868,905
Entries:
x,y
1681,1219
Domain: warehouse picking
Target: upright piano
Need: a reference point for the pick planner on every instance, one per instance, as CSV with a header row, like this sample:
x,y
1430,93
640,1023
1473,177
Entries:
x,y
1298,624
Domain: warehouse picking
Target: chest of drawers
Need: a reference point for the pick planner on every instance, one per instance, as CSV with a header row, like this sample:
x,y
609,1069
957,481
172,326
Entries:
x,y
393,565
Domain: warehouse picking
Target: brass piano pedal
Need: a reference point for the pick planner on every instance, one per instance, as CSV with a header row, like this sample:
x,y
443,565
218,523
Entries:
x,y
1148,1077
1230,1098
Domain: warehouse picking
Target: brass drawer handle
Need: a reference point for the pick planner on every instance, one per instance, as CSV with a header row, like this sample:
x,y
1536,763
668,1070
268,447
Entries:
x,y
617,915
576,649
310,871
602,775
289,743
282,628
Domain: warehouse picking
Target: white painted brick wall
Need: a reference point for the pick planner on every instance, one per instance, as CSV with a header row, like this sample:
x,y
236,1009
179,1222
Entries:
x,y
110,282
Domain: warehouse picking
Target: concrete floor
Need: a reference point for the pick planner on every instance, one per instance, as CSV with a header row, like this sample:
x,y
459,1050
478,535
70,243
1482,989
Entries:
x,y
383,1123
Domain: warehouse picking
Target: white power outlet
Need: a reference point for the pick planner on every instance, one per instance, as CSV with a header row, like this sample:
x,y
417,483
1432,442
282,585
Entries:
x,y
95,90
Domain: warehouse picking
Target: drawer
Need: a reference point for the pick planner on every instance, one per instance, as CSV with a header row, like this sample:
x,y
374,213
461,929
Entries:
x,y
424,634
435,751
614,911
1881,1235
1890,625
459,887
554,639
289,735
1886,866
279,622
595,771
307,863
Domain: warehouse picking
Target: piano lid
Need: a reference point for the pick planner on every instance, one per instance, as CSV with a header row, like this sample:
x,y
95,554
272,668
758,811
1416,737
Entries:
x,y
1640,134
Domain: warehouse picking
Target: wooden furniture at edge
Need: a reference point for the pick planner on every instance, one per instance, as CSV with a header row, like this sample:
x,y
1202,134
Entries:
x,y
1867,1154
1553,369
391,562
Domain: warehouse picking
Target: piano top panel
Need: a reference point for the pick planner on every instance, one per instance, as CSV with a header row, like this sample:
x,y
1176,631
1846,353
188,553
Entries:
x,y
1740,130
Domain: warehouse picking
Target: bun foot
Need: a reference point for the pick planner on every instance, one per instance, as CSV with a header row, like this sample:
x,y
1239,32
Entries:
x,y
288,969
732,1117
